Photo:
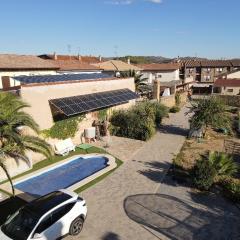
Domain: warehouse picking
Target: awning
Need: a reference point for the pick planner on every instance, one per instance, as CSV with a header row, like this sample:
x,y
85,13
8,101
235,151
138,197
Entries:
x,y
90,102
202,85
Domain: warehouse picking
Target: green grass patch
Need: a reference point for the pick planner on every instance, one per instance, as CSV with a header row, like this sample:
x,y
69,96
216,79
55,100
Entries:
x,y
55,159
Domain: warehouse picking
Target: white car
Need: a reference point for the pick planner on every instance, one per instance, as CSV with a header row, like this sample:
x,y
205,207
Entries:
x,y
47,218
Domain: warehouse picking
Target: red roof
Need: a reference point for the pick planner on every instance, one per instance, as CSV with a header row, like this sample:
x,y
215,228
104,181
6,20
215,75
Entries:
x,y
159,66
234,82
85,59
25,62
75,65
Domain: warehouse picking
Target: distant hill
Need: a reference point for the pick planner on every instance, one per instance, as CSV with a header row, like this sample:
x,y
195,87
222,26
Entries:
x,y
157,59
143,59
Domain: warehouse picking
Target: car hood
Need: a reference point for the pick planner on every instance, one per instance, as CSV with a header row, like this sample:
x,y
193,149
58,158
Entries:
x,y
3,236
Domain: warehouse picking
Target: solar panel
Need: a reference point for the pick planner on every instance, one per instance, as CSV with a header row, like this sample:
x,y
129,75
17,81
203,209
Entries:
x,y
85,103
61,77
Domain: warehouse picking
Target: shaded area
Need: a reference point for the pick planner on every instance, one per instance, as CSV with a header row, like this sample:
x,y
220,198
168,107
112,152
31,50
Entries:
x,y
111,236
155,170
173,129
9,206
206,216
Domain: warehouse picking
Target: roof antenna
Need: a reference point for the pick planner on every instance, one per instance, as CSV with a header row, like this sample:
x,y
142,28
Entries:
x,y
69,47
116,51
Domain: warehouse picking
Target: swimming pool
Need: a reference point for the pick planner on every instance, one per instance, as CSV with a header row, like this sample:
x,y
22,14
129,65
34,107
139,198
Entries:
x,y
62,176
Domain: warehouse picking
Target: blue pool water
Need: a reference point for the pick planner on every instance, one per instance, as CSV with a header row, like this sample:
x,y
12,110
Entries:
x,y
62,176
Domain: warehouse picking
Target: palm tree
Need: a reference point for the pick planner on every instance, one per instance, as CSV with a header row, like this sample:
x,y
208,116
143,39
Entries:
x,y
223,163
209,113
13,143
139,80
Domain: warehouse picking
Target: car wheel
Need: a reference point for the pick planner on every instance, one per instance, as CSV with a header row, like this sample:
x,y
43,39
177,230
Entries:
x,y
76,226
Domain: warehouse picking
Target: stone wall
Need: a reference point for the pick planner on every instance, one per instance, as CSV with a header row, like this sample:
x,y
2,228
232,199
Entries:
x,y
231,100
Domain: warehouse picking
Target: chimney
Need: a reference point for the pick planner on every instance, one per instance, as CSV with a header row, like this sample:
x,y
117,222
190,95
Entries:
x,y
100,58
54,56
128,61
79,58
156,89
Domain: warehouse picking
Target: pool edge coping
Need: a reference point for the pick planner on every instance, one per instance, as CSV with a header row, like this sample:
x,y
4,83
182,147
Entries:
x,y
28,197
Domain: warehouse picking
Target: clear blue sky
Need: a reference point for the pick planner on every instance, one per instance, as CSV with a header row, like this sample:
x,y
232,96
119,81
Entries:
x,y
168,28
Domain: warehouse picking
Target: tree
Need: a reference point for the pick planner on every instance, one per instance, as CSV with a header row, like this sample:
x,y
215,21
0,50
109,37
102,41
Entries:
x,y
13,143
139,80
209,112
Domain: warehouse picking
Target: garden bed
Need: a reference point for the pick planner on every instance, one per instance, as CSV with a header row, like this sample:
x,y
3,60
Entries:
x,y
194,150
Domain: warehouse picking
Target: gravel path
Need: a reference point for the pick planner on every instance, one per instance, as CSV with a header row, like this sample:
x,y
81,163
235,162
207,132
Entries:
x,y
107,219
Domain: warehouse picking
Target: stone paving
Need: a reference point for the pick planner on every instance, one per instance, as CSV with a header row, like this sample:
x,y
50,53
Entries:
x,y
178,212
122,148
107,217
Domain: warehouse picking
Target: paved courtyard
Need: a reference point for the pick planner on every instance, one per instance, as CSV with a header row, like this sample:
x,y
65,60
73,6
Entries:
x,y
122,148
107,218
180,213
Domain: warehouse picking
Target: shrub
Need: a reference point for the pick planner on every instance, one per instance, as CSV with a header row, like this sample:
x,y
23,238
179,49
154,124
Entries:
x,y
223,163
174,109
161,111
139,122
103,114
64,129
203,174
231,188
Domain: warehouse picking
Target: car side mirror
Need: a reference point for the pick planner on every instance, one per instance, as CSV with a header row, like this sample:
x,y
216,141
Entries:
x,y
37,236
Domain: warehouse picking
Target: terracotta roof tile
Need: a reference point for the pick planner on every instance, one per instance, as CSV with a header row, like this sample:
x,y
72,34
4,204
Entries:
x,y
116,65
75,65
159,66
24,62
85,59
234,82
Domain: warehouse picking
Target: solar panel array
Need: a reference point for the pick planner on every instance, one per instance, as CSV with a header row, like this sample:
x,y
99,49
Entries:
x,y
61,77
86,103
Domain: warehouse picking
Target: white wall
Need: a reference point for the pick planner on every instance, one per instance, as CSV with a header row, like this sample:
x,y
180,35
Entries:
x,y
163,76
234,75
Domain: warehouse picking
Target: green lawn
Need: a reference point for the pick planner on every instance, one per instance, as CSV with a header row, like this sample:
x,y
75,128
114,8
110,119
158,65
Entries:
x,y
55,159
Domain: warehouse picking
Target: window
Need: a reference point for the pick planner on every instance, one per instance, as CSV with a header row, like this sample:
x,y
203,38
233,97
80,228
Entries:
x,y
44,224
53,217
159,75
60,212
230,90
207,78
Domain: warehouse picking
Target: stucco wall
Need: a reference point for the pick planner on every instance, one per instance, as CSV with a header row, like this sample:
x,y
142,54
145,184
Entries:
x,y
38,96
164,76
169,101
234,75
230,90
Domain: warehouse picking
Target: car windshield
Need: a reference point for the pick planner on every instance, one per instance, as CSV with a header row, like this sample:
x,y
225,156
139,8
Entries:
x,y
20,225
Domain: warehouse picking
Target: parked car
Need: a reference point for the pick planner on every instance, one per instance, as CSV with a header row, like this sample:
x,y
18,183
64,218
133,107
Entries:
x,y
47,218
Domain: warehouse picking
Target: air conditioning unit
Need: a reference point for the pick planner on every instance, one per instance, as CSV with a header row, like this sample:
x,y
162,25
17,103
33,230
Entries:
x,y
90,132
